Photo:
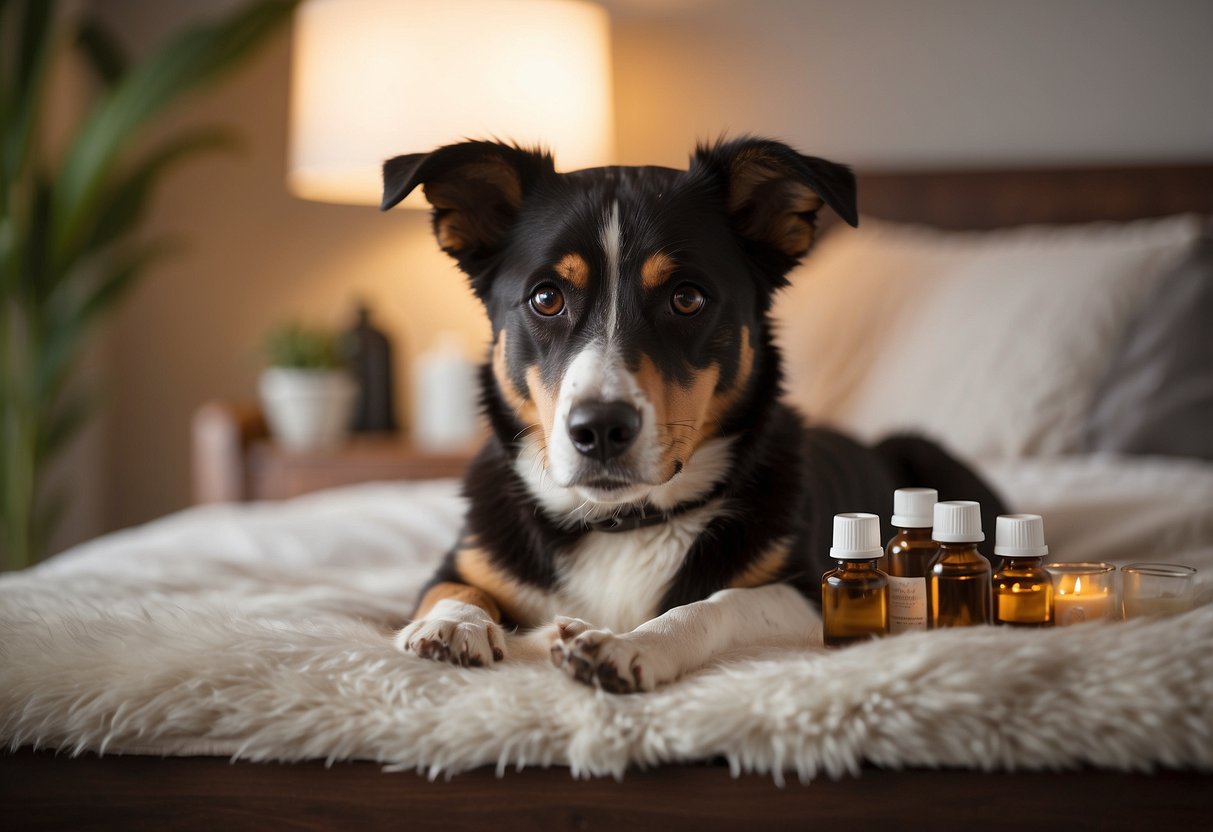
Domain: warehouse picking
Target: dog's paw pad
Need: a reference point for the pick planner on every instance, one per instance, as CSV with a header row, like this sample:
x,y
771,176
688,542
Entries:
x,y
577,649
602,659
465,643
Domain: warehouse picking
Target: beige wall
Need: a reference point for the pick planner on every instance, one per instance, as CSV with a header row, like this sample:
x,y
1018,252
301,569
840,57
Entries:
x,y
888,83
884,83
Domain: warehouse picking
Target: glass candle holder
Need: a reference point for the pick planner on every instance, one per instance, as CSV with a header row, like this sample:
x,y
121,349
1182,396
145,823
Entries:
x,y
1150,589
1082,592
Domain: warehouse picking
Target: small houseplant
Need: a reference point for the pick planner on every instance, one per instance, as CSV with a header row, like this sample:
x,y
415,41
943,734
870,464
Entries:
x,y
306,393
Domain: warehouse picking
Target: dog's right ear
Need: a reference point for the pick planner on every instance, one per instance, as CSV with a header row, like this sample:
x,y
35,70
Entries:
x,y
773,193
475,189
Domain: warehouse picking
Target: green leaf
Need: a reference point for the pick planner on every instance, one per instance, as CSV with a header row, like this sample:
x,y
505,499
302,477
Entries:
x,y
127,198
103,52
22,95
195,57
69,327
35,33
33,252
294,344
67,418
9,252
118,280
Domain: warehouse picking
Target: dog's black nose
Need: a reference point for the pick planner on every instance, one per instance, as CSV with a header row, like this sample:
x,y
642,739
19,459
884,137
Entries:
x,y
603,430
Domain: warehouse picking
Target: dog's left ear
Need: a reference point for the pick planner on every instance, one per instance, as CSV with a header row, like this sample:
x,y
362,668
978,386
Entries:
x,y
476,189
773,193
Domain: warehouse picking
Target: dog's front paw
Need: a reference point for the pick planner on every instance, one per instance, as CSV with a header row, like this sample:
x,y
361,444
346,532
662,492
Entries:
x,y
470,643
615,663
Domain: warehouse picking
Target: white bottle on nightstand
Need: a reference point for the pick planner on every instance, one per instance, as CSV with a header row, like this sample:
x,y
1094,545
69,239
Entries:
x,y
445,408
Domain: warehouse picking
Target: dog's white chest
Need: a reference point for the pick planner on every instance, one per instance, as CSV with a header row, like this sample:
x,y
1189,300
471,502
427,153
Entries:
x,y
616,580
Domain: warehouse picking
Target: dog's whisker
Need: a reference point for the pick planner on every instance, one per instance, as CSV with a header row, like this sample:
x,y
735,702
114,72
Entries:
x,y
527,431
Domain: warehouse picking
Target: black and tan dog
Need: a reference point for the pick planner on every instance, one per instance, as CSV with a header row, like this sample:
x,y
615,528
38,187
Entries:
x,y
642,474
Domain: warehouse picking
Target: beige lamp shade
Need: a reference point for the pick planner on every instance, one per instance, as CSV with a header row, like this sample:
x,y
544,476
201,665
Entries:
x,y
372,79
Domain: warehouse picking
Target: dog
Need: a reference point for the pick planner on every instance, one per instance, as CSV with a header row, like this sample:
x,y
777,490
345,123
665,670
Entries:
x,y
645,501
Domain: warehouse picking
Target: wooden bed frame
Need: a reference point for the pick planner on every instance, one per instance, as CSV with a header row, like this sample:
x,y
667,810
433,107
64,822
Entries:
x,y
41,790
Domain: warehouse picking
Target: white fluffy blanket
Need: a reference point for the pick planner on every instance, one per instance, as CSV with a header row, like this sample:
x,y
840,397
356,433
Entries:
x,y
262,633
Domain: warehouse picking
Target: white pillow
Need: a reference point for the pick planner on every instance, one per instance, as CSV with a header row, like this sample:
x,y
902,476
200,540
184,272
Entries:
x,y
991,342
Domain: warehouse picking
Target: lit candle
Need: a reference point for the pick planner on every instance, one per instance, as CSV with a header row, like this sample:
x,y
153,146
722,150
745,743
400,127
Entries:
x,y
1082,592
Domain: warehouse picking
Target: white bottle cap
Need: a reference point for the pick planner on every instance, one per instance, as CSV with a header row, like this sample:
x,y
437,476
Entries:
x,y
856,537
1020,536
958,521
912,507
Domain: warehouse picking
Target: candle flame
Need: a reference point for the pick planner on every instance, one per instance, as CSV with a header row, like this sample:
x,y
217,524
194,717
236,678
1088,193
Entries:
x,y
1077,585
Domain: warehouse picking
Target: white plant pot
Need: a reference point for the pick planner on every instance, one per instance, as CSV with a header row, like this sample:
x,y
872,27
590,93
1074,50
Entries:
x,y
307,410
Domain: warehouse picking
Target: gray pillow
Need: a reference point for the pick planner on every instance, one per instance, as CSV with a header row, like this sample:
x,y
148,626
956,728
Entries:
x,y
1157,397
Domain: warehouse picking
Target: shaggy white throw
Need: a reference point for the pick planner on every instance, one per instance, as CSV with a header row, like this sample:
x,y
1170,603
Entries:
x,y
262,633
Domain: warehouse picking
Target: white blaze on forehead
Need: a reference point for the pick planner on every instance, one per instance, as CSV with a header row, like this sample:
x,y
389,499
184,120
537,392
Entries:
x,y
592,375
611,246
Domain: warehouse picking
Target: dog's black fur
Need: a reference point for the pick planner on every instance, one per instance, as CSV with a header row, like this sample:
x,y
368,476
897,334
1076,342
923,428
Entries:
x,y
732,225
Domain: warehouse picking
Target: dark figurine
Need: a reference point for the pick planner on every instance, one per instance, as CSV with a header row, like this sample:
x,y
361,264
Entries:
x,y
368,353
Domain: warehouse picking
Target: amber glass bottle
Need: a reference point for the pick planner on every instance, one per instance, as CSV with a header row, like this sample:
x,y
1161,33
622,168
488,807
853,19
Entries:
x,y
855,596
959,578
1023,590
907,556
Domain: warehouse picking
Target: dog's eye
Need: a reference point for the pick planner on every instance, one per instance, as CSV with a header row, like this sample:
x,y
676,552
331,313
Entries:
x,y
547,301
687,299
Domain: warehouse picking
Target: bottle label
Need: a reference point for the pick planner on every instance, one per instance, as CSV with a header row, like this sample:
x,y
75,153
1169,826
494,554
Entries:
x,y
907,604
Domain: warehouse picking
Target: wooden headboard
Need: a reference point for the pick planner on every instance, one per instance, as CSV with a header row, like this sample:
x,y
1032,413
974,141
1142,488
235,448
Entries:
x,y
984,199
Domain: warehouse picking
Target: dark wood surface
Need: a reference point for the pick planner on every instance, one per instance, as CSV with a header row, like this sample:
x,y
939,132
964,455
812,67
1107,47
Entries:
x,y
234,459
275,473
985,199
39,790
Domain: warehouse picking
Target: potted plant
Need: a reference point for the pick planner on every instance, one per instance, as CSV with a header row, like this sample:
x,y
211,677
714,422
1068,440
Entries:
x,y
69,243
306,393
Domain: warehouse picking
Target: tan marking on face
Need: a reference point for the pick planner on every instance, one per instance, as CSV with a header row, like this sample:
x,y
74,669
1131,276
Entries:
x,y
681,413
656,269
477,569
573,268
765,570
545,399
534,408
689,416
523,406
458,592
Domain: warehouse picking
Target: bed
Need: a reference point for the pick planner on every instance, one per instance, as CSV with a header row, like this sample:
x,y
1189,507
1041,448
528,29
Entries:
x,y
283,607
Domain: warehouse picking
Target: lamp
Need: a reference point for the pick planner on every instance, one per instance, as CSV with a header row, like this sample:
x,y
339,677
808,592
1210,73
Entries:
x,y
372,79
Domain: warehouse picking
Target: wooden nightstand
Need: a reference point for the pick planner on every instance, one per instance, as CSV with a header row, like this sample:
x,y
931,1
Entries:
x,y
234,459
